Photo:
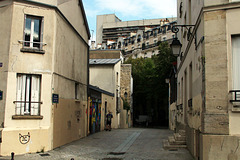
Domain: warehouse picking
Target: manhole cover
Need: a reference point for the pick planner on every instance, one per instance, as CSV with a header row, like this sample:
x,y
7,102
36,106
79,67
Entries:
x,y
44,154
112,159
117,153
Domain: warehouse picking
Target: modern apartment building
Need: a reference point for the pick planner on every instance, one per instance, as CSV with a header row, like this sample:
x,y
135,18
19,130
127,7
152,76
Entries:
x,y
43,74
207,104
110,28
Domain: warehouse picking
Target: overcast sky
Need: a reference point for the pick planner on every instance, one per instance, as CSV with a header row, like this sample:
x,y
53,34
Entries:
x,y
128,10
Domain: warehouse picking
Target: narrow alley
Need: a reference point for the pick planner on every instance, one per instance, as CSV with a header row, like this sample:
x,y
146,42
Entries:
x,y
118,144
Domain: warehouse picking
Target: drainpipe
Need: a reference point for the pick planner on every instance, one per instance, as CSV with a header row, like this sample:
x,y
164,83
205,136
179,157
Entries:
x,y
88,94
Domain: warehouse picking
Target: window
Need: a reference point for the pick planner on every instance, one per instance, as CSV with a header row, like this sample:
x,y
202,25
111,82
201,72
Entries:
x,y
33,32
235,68
28,94
235,62
77,91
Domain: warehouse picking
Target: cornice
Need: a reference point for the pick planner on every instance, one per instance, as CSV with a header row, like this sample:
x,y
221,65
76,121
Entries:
x,y
224,6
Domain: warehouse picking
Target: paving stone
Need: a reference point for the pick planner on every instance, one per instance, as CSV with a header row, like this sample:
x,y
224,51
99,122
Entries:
x,y
133,144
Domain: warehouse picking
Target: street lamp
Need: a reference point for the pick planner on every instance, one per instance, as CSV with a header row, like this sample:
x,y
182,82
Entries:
x,y
176,47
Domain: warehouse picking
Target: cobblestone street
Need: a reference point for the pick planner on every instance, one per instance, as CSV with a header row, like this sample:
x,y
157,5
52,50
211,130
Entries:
x,y
134,143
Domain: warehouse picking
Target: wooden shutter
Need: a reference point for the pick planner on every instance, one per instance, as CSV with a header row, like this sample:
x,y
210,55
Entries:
x,y
35,95
21,84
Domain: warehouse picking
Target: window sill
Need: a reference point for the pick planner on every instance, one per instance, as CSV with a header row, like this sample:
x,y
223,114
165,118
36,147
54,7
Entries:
x,y
26,117
32,50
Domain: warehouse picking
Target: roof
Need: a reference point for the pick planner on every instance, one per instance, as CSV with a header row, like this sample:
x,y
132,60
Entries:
x,y
100,90
103,61
84,17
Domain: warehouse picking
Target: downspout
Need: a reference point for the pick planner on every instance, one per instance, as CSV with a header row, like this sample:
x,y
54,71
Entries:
x,y
88,94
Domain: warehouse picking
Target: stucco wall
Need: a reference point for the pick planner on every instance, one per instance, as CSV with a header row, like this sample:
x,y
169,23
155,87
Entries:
x,y
72,11
103,76
19,62
70,68
63,64
106,77
5,31
110,107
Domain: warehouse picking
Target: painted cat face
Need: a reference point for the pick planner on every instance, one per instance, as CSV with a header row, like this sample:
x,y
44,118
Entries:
x,y
24,139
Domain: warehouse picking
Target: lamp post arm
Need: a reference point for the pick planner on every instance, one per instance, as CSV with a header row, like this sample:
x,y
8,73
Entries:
x,y
175,28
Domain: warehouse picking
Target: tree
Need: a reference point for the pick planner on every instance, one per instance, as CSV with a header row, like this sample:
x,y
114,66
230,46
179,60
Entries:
x,y
150,92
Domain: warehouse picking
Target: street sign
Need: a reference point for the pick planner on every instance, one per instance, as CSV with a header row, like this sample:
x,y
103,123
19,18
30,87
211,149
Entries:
x,y
1,95
55,98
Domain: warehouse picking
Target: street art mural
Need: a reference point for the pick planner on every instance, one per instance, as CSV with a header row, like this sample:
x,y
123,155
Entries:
x,y
95,115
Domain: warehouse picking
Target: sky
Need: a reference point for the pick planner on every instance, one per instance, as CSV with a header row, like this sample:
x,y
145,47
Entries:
x,y
128,10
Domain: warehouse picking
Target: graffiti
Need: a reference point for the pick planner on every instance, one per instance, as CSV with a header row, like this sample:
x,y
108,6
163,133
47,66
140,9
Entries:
x,y
24,139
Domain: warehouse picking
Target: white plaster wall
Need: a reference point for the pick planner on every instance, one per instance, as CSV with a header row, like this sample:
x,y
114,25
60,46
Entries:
x,y
103,77
72,11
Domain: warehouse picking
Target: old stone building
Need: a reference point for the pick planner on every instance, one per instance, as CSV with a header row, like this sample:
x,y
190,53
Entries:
x,y
145,43
126,83
207,104
43,74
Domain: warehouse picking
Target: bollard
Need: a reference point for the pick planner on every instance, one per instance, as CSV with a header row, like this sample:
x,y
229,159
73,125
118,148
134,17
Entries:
x,y
12,155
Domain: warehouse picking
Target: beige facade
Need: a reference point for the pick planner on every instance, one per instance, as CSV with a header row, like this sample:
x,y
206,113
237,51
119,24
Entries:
x,y
145,43
107,77
53,60
206,79
100,103
108,104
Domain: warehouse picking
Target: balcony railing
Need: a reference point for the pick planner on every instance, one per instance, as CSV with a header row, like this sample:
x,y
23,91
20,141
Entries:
x,y
27,107
235,96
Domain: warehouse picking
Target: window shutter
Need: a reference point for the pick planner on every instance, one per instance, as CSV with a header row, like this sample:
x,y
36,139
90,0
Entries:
x,y
35,90
21,82
28,87
41,38
24,31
